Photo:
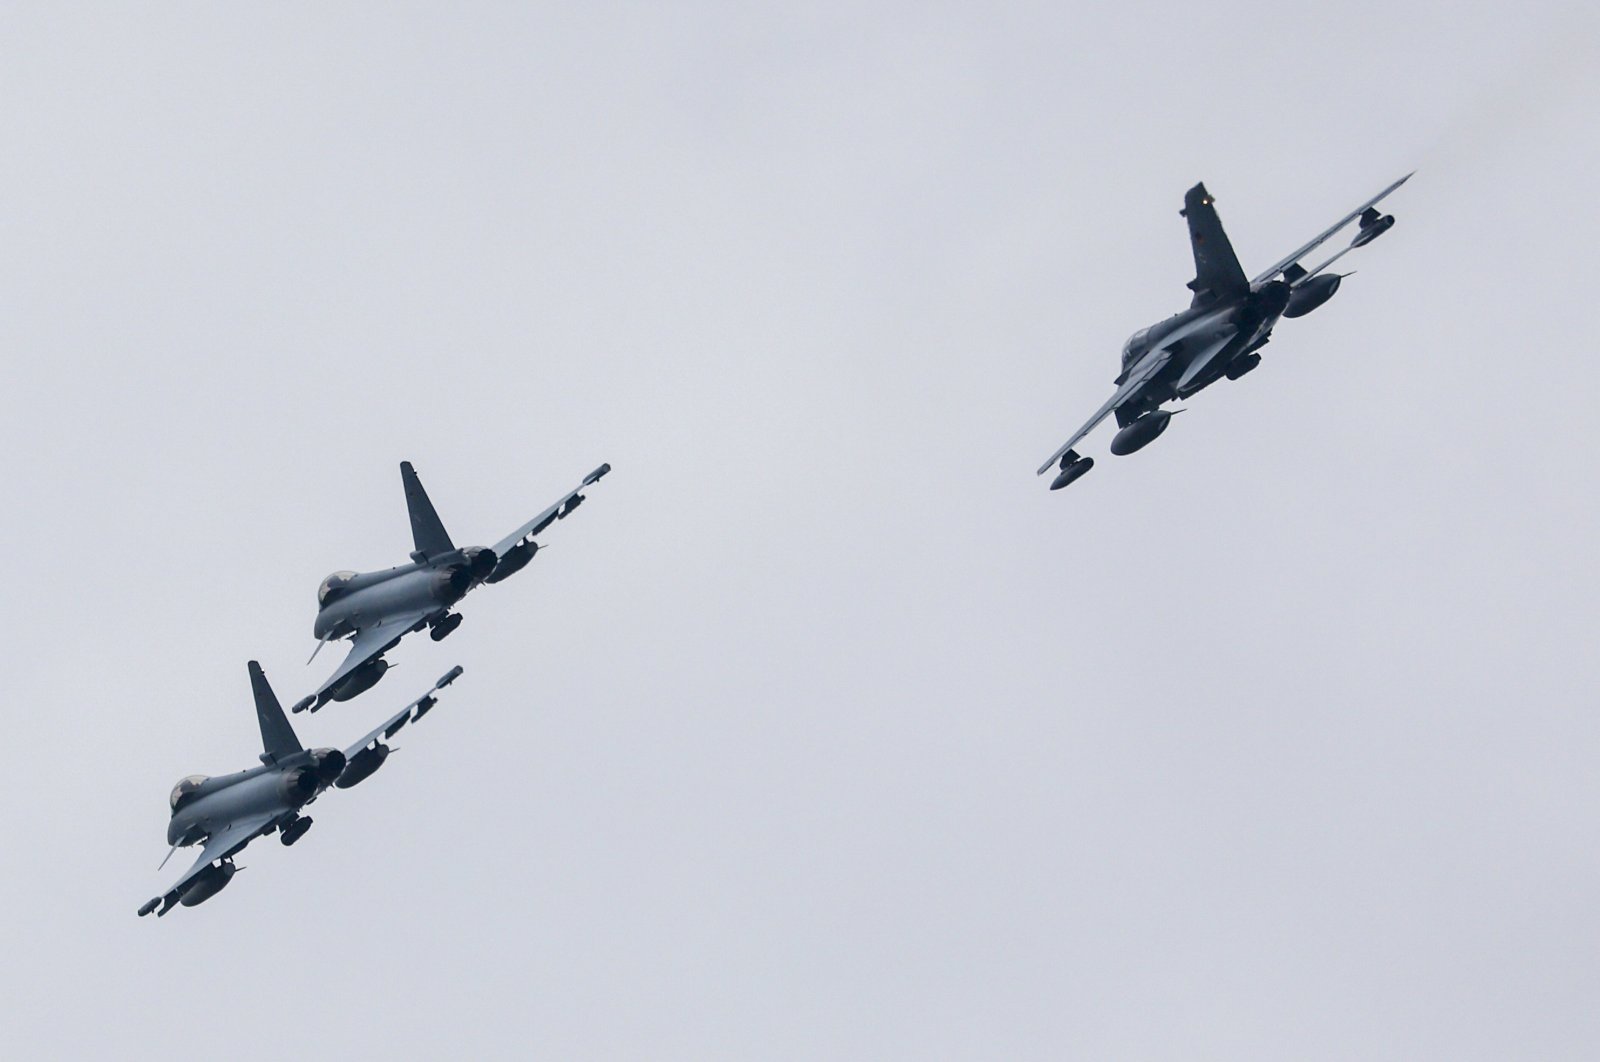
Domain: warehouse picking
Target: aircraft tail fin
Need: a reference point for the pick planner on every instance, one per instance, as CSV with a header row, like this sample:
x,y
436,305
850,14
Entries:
x,y
427,531
1217,273
277,736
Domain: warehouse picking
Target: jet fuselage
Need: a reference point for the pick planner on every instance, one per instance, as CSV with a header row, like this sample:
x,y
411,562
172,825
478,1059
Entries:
x,y
266,790
350,601
376,595
1230,317
1193,337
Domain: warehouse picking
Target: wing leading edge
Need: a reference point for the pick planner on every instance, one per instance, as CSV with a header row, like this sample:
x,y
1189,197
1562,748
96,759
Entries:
x,y
1326,234
1141,374
559,511
409,714
220,845
368,644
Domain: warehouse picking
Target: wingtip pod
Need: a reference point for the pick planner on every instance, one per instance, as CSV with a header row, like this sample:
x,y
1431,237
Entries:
x,y
426,703
595,476
149,906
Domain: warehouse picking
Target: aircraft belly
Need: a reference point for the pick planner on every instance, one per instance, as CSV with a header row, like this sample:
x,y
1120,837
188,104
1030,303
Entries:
x,y
1205,359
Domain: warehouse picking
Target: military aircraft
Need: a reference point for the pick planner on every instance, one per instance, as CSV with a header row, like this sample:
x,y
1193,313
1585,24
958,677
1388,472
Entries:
x,y
376,609
230,811
1228,321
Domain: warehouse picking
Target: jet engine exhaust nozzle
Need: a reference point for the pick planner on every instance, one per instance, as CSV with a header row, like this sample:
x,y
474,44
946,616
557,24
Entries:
x,y
480,562
329,765
299,786
1271,298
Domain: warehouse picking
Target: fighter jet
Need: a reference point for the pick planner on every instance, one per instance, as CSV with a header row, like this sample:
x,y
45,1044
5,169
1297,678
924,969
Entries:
x,y
1229,320
230,811
376,609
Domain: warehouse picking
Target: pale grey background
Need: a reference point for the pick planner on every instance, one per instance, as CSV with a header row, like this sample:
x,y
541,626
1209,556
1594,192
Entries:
x,y
824,731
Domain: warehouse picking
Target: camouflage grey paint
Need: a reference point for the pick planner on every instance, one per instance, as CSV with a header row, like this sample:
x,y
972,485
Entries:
x,y
377,609
226,813
1228,320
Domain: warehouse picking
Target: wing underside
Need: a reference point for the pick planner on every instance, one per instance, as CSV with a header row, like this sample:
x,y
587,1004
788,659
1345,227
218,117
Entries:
x,y
220,845
369,644
1142,373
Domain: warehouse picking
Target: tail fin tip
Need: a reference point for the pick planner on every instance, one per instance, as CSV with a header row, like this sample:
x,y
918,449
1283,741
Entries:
x,y
277,736
427,530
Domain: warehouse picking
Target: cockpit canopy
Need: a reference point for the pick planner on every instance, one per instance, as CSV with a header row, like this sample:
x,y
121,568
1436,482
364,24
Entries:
x,y
185,789
1135,345
332,586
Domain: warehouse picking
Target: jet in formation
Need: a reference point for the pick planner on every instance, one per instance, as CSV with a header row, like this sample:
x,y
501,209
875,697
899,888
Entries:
x,y
230,811
1221,333
376,609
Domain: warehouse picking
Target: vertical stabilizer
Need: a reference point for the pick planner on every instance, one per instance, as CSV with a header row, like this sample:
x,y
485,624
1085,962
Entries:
x,y
427,532
1217,273
277,736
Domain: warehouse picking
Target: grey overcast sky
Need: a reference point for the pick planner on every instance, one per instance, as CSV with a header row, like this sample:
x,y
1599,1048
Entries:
x,y
824,730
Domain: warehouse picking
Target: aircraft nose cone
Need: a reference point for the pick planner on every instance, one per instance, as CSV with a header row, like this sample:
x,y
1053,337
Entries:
x,y
1274,297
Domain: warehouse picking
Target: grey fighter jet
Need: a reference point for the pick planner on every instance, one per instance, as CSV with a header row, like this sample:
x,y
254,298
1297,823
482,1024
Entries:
x,y
230,811
1229,320
376,609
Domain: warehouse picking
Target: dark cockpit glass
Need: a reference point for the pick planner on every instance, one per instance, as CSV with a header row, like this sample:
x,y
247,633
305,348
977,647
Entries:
x,y
1135,345
185,789
332,586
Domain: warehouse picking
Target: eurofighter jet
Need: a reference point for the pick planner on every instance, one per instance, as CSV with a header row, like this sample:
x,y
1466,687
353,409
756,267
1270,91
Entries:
x,y
376,609
230,811
1229,320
